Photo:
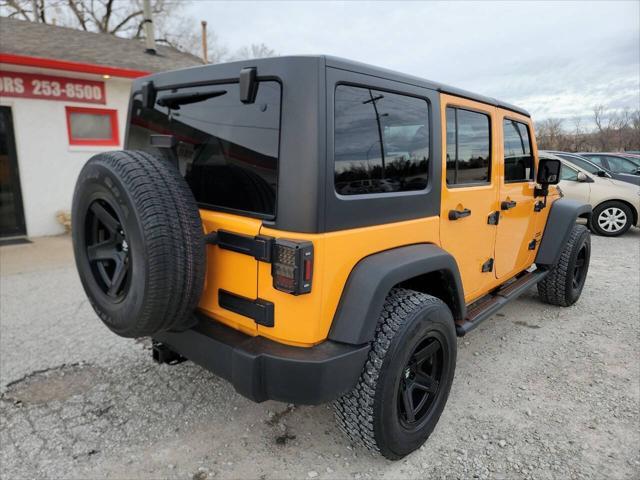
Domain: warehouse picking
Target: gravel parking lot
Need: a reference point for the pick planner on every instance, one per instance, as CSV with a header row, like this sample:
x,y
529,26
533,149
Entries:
x,y
540,392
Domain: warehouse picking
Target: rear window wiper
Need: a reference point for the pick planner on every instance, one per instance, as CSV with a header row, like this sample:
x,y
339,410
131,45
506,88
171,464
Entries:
x,y
174,100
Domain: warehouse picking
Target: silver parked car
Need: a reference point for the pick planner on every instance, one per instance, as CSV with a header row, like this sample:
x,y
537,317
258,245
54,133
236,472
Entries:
x,y
615,204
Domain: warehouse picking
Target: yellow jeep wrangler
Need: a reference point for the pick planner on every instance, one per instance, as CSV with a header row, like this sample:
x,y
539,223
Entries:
x,y
314,229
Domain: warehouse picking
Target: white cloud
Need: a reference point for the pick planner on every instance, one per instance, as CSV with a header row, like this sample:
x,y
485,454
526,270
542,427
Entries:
x,y
557,59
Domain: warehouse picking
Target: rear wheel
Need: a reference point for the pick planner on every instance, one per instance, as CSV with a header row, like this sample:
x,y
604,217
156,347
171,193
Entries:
x,y
564,283
406,380
138,243
611,219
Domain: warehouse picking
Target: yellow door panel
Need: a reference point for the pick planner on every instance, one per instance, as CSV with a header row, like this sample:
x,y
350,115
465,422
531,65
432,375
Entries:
x,y
469,239
515,230
227,270
305,320
517,226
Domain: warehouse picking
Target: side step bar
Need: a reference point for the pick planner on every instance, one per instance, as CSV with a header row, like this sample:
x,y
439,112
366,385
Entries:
x,y
486,308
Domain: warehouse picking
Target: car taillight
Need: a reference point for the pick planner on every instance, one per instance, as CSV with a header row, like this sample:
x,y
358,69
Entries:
x,y
292,266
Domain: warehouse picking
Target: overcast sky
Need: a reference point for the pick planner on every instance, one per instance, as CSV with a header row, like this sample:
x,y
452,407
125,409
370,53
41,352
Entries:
x,y
557,59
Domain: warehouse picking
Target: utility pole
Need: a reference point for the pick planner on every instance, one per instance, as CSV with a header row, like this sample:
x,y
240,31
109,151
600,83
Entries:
x,y
150,36
205,56
373,101
36,11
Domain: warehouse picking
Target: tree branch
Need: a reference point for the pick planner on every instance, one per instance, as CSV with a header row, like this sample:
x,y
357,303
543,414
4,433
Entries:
x,y
79,15
126,20
107,15
18,9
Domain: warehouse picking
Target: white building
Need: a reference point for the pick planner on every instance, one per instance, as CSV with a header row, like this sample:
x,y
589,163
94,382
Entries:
x,y
63,97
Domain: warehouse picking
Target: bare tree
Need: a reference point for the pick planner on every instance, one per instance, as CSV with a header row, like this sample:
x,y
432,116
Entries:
x,y
614,130
124,18
253,51
116,17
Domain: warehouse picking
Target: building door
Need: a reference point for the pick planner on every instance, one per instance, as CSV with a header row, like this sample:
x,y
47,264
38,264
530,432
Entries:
x,y
11,213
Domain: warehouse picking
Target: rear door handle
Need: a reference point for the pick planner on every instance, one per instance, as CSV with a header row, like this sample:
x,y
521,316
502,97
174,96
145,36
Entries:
x,y
507,205
456,214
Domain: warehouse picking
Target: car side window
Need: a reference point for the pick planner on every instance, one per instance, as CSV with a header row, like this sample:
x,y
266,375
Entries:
x,y
518,160
597,160
622,165
381,141
568,173
468,147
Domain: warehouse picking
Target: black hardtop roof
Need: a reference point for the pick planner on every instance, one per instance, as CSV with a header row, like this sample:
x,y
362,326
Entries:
x,y
224,69
367,69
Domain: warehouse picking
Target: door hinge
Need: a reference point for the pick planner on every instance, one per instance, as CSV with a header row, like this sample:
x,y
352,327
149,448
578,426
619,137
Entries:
x,y
538,206
260,311
488,266
259,247
493,218
532,244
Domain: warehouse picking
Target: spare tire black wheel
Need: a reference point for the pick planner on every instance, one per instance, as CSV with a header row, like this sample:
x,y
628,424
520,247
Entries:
x,y
138,243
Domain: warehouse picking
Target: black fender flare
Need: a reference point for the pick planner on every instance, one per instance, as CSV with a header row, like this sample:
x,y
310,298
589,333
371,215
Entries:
x,y
562,216
374,276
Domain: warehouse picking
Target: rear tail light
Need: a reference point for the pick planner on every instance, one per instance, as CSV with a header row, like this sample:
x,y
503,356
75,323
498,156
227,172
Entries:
x,y
292,266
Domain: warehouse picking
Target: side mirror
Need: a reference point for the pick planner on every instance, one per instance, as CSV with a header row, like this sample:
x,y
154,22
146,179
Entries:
x,y
584,178
548,171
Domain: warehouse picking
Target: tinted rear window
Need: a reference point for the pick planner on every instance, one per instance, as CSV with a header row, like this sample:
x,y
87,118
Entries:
x,y
381,141
227,150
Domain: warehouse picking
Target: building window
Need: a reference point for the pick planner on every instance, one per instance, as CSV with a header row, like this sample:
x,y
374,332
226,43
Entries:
x,y
381,141
468,147
518,161
92,126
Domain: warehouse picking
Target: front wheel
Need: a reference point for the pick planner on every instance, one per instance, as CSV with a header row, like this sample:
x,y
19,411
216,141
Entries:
x,y
564,283
406,380
611,219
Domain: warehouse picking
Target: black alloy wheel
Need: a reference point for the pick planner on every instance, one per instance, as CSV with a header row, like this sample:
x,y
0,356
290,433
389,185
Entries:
x,y
420,383
580,268
107,249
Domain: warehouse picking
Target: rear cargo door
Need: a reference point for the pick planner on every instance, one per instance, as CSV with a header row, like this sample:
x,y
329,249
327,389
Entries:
x,y
227,152
230,271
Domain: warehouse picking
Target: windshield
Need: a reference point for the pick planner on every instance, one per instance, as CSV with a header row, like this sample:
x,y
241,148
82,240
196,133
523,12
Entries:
x,y
582,163
227,150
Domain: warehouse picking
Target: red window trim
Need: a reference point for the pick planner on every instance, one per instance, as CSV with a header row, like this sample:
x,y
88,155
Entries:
x,y
114,141
70,66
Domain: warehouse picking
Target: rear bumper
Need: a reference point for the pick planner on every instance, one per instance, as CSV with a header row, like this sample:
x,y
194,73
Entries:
x,y
261,369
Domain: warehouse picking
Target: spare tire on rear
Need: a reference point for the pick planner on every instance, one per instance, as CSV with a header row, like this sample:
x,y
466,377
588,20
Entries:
x,y
138,243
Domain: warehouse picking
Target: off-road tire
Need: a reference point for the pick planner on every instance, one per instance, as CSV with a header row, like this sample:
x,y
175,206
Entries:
x,y
614,206
367,414
558,287
161,227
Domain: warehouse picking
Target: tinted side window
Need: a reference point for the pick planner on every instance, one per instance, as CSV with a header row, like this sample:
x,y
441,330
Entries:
x,y
381,141
518,160
468,147
227,150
